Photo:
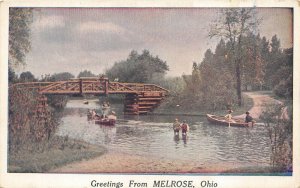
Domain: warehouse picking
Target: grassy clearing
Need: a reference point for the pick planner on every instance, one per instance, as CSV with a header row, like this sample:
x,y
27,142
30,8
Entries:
x,y
163,110
49,155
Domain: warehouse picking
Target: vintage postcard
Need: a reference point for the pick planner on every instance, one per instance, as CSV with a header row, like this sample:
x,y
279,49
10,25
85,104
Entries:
x,y
149,94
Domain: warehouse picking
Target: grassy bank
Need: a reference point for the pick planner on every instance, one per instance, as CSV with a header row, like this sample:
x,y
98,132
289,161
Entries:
x,y
56,152
185,110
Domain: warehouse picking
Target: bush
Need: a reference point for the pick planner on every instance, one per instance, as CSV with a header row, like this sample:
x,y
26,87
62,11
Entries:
x,y
279,127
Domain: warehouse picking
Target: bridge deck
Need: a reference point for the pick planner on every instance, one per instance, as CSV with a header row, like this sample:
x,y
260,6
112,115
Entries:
x,y
92,86
140,98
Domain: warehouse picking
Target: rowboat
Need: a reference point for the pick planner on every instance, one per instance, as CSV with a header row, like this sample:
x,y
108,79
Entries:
x,y
221,120
105,121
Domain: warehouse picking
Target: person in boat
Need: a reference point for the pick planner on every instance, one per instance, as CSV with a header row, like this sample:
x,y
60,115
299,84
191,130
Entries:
x,y
94,114
105,109
89,115
112,116
229,117
249,119
184,128
176,127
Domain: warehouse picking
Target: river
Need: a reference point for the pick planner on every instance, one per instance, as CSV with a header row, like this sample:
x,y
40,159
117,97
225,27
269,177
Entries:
x,y
152,135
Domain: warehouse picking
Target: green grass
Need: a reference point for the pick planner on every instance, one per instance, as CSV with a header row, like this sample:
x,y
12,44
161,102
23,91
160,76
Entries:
x,y
163,110
54,154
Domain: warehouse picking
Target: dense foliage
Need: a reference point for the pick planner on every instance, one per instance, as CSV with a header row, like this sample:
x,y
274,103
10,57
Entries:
x,y
213,80
86,73
278,121
141,68
63,76
20,20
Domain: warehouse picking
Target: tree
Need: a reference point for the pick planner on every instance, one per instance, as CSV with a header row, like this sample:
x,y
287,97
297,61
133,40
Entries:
x,y
253,67
63,76
283,78
233,25
20,20
279,123
12,77
138,68
27,77
85,73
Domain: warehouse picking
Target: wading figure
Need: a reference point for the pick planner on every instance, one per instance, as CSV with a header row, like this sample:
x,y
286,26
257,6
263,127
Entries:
x,y
184,128
176,127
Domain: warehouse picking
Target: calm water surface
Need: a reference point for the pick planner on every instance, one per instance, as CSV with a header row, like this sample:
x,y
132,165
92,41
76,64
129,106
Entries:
x,y
153,136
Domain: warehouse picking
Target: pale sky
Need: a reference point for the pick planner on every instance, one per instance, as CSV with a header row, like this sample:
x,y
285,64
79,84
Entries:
x,y
75,39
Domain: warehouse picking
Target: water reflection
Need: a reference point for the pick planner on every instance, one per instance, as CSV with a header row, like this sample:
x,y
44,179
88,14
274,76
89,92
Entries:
x,y
153,135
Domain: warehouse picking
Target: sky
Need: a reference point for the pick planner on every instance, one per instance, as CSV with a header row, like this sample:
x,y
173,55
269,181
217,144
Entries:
x,y
75,39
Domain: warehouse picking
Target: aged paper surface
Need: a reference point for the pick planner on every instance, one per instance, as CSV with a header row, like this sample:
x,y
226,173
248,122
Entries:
x,y
129,179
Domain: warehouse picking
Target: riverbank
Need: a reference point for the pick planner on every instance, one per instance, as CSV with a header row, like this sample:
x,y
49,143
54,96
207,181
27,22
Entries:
x,y
117,162
56,152
247,104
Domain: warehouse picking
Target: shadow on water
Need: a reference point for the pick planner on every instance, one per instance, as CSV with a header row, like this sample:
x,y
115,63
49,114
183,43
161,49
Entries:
x,y
153,136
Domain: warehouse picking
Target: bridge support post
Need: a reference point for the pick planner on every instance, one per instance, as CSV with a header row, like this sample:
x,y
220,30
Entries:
x,y
106,87
131,105
141,103
80,86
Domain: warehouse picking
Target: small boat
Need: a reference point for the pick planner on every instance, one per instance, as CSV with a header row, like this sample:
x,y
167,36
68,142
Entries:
x,y
221,120
105,121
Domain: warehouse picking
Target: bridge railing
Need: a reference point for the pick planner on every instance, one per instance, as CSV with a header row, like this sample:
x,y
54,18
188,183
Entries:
x,y
92,86
145,87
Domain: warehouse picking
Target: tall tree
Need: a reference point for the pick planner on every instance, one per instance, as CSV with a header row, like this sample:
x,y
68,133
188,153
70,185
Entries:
x,y
276,57
20,20
233,25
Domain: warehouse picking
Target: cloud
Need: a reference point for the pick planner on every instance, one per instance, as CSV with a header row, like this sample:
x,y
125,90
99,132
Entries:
x,y
72,39
48,22
100,27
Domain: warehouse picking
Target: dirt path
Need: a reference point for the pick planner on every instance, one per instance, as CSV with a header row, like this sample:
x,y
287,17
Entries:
x,y
260,99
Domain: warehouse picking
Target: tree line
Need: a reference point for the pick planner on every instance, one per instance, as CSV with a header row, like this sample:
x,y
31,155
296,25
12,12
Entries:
x,y
264,66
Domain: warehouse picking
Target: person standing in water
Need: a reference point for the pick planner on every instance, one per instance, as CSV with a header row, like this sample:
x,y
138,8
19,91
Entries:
x,y
176,127
184,128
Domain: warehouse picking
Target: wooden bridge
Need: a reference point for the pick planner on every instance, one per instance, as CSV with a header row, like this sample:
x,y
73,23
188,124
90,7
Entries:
x,y
139,98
